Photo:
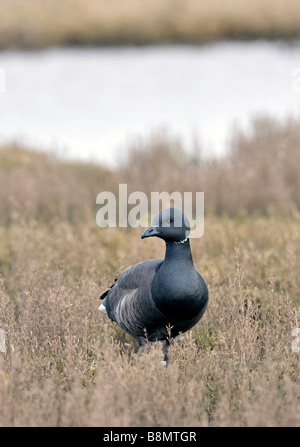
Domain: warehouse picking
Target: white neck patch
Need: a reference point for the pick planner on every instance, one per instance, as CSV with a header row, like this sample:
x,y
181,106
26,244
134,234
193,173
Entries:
x,y
181,242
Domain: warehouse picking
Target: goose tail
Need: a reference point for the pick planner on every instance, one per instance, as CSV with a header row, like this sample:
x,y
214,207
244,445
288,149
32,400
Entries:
x,y
102,306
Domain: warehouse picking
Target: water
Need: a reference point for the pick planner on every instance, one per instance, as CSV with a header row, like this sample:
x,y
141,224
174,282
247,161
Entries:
x,y
90,103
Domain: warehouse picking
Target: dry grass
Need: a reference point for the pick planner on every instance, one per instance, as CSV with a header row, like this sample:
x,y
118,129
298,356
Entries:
x,y
260,173
39,23
67,365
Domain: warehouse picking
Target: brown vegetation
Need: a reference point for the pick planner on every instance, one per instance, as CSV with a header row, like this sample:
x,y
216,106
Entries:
x,y
67,365
260,173
40,23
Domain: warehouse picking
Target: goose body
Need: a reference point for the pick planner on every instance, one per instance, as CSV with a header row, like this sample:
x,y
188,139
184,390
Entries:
x,y
159,298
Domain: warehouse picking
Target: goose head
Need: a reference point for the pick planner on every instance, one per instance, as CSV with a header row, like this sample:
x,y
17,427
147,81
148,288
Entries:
x,y
171,225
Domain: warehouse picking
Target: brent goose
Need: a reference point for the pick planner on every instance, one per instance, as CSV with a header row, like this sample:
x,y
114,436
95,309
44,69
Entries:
x,y
159,298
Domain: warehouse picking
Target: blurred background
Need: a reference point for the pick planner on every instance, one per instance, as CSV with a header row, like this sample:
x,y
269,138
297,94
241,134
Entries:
x,y
86,79
174,95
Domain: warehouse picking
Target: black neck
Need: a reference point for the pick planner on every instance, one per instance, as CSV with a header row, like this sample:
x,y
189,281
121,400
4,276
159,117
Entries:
x,y
175,287
178,250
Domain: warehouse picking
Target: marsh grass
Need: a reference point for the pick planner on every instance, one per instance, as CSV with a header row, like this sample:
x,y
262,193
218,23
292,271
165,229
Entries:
x,y
40,23
66,364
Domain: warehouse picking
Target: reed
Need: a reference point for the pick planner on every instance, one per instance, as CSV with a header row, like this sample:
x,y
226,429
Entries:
x,y
42,23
